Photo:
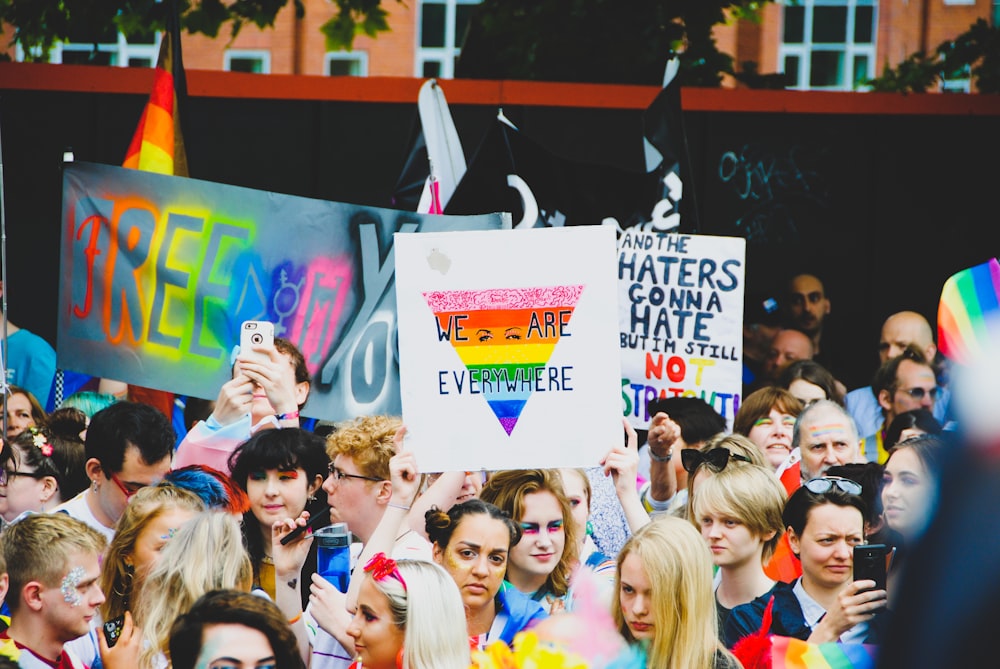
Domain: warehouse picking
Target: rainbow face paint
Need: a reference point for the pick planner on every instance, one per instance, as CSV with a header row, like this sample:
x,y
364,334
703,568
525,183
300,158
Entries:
x,y
817,431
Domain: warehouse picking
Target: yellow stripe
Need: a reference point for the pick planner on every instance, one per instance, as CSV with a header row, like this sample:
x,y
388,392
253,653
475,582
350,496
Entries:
x,y
154,159
498,355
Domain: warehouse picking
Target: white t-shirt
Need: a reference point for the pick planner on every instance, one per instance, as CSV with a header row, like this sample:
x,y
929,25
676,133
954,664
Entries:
x,y
79,509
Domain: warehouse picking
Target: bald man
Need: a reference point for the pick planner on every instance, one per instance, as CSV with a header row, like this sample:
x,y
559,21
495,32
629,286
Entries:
x,y
786,347
900,330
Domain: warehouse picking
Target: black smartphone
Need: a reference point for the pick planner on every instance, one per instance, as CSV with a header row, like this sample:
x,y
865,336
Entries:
x,y
870,563
113,630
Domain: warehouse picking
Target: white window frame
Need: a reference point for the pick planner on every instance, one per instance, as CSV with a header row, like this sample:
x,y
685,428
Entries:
x,y
447,54
121,50
263,54
849,50
359,57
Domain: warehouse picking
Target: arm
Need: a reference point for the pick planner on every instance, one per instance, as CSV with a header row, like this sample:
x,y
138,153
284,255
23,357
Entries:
x,y
663,434
852,607
622,464
288,561
441,493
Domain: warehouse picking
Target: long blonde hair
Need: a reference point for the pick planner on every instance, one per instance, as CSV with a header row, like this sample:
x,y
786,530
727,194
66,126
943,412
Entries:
x,y
679,568
206,554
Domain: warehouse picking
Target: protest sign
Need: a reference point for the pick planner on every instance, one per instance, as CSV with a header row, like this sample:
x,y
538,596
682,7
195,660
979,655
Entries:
x,y
508,348
160,271
681,318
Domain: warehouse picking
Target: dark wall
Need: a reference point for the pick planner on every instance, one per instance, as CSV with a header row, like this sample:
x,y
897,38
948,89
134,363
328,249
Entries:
x,y
883,207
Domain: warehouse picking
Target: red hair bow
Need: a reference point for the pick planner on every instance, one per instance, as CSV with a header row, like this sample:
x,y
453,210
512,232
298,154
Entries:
x,y
381,567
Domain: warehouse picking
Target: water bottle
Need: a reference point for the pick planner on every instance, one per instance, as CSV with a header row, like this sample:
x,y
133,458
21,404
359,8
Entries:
x,y
333,554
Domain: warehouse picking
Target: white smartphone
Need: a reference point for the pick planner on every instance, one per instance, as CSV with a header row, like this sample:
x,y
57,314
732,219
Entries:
x,y
256,333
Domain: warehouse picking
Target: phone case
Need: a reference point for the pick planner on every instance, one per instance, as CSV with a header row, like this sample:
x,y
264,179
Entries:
x,y
255,333
113,630
870,564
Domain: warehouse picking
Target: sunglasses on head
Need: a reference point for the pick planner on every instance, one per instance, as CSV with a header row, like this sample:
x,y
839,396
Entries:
x,y
825,484
716,458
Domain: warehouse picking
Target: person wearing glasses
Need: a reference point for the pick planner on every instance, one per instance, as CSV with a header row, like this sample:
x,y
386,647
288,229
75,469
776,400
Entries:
x,y
128,447
38,472
282,472
825,520
903,383
738,511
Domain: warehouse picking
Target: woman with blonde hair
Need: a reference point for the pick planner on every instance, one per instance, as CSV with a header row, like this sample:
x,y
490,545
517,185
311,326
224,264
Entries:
x,y
715,456
664,589
206,554
541,563
410,615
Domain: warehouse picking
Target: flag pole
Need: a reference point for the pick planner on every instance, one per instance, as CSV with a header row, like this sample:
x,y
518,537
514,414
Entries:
x,y
3,294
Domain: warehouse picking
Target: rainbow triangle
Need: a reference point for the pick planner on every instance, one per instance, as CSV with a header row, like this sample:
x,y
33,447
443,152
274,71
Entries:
x,y
969,312
502,336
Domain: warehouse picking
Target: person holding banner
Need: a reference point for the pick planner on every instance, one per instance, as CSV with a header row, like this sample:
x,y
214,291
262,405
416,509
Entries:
x,y
270,385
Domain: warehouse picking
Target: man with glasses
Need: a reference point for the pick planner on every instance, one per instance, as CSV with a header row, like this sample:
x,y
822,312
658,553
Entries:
x,y
129,446
903,383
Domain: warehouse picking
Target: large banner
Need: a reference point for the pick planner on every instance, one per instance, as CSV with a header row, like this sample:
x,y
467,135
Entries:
x,y
681,320
508,347
159,273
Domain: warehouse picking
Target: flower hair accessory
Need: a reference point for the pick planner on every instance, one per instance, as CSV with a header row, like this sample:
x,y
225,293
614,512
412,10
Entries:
x,y
381,567
41,442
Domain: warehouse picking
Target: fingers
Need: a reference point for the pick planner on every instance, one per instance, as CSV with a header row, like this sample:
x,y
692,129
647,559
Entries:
x,y
397,439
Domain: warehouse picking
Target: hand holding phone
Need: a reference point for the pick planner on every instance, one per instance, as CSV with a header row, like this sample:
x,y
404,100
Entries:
x,y
870,564
113,630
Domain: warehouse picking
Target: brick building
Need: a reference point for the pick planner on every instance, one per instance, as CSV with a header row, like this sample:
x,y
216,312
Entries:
x,y
825,44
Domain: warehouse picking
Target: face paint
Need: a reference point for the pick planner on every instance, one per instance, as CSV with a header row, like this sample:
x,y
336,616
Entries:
x,y
822,430
170,534
68,586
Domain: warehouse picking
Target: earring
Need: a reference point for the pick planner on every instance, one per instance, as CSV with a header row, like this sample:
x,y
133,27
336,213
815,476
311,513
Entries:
x,y
93,484
312,498
590,529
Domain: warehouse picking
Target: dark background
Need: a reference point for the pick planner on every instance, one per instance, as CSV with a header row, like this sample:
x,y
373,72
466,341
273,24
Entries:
x,y
883,207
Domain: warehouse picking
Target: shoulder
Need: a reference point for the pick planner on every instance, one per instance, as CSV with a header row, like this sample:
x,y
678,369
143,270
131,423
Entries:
x,y
517,604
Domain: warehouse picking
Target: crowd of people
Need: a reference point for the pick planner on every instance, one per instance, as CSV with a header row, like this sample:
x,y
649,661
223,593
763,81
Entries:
x,y
688,546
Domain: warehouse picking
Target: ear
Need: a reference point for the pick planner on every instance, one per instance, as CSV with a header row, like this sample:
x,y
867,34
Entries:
x,y
315,485
885,399
49,488
4,584
383,492
94,470
768,536
930,352
436,552
793,540
31,595
301,392
827,310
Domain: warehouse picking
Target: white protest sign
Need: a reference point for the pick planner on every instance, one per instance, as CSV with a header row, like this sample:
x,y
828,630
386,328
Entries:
x,y
508,347
681,320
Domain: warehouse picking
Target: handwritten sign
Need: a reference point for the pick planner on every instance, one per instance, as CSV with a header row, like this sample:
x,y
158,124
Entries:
x,y
159,273
508,348
680,320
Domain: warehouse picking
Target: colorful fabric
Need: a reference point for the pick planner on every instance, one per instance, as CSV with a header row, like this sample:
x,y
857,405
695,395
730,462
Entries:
x,y
788,653
969,311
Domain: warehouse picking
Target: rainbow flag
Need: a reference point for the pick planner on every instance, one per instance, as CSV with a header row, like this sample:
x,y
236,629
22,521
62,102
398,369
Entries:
x,y
158,145
788,653
969,313
506,339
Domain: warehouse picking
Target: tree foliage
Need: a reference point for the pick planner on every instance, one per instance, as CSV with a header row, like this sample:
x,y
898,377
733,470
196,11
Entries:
x,y
974,54
549,40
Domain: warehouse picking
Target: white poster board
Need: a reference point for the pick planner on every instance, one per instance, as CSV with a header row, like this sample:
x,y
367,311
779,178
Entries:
x,y
508,347
681,320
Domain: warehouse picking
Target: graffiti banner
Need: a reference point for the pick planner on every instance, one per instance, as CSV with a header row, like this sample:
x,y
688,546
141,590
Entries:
x,y
508,347
159,273
681,320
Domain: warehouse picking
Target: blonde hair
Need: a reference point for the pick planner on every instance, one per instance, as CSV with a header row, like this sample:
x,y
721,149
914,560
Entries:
x,y
737,444
37,547
678,565
206,554
751,495
430,612
367,441
146,505
507,490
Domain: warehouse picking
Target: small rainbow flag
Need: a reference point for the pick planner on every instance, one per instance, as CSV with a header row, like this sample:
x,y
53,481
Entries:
x,y
788,653
505,337
969,313
158,145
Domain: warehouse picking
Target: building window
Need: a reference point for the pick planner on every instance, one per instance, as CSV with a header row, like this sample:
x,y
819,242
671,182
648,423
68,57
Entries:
x,y
828,44
441,28
347,63
109,47
245,60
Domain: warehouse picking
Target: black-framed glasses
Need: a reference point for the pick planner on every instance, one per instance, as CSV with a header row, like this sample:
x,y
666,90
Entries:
x,y
825,484
340,475
6,475
919,393
716,458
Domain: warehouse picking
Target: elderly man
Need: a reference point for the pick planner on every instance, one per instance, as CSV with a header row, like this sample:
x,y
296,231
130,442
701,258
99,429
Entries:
x,y
824,436
900,330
